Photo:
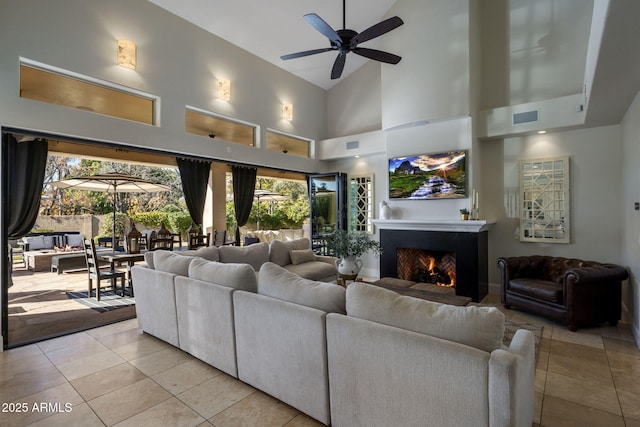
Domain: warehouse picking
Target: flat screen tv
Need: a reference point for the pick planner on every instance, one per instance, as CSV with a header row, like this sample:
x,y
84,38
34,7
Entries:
x,y
428,176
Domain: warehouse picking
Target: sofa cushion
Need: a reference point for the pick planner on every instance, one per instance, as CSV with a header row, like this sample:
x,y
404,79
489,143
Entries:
x,y
210,253
279,250
541,289
171,262
237,276
74,239
255,255
479,327
148,258
277,282
35,242
314,270
298,256
51,241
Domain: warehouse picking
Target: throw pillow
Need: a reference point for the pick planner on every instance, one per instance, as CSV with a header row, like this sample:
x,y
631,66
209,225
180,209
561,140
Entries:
x,y
237,276
479,327
255,255
170,262
276,282
74,239
299,256
279,250
35,242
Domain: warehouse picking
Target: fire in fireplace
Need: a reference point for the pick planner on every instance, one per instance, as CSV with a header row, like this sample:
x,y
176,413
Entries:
x,y
419,265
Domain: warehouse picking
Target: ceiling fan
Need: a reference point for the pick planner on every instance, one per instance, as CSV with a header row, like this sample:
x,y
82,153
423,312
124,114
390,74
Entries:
x,y
345,41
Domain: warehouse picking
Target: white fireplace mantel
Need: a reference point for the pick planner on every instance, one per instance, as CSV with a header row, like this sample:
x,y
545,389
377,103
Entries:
x,y
470,226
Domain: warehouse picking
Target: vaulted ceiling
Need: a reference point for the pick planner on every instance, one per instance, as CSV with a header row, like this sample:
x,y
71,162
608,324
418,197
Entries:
x,y
270,29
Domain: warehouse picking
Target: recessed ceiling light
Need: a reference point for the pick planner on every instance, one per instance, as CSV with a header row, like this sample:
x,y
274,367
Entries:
x,y
542,131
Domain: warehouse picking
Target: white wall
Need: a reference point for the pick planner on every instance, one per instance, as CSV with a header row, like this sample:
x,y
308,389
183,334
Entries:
x,y
630,135
354,104
177,61
595,193
432,79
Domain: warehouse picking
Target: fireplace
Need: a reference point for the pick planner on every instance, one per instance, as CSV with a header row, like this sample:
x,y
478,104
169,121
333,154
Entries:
x,y
433,267
467,244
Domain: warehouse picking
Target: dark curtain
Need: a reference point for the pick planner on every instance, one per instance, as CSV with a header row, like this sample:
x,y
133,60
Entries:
x,y
26,163
195,179
244,184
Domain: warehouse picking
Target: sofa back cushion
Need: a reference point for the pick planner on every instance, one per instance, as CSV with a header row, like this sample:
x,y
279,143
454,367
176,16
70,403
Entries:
x,y
148,258
255,255
236,276
279,250
479,327
35,242
276,282
75,240
171,262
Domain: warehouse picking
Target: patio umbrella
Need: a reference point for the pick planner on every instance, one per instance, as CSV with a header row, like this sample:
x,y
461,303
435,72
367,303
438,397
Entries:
x,y
111,183
267,196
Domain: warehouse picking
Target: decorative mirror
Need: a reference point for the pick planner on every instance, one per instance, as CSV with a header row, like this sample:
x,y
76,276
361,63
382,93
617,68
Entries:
x,y
544,206
361,207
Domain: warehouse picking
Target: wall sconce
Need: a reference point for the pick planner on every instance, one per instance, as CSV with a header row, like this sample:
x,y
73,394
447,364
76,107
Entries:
x,y
224,89
287,112
127,54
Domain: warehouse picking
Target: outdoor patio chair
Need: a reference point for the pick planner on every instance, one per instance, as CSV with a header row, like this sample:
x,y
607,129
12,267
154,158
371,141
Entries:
x,y
198,241
97,275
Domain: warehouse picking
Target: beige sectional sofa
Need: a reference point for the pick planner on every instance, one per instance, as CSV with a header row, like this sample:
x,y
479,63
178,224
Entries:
x,y
365,356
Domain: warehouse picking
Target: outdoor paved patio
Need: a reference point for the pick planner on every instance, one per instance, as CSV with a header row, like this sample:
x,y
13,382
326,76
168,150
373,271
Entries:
x,y
39,306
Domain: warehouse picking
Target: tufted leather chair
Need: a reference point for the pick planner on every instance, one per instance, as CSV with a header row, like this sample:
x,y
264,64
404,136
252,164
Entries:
x,y
572,291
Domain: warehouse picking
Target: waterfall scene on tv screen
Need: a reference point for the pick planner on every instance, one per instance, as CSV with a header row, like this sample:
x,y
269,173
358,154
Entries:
x,y
428,176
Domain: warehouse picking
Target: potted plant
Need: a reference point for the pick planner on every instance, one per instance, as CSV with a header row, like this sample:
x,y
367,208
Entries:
x,y
348,248
464,214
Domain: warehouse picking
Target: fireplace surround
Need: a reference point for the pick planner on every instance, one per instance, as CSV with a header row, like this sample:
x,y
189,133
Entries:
x,y
468,240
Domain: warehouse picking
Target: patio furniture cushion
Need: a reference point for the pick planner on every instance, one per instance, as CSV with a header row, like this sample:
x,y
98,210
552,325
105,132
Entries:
x,y
73,239
36,242
277,282
479,327
237,276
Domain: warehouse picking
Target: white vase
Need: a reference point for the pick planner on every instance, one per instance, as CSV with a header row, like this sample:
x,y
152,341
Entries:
x,y
348,266
385,210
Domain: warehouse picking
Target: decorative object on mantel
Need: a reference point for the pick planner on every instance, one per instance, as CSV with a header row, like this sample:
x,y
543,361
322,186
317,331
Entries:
x,y
464,214
385,210
348,248
475,211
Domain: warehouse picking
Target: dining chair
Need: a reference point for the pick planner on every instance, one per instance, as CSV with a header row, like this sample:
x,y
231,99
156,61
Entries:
x,y
198,241
219,237
97,275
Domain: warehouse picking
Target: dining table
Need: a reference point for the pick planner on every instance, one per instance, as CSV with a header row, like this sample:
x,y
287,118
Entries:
x,y
123,257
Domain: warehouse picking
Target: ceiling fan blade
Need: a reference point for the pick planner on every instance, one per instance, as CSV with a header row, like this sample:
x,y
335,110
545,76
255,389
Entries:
x,y
338,66
305,53
377,30
378,55
319,24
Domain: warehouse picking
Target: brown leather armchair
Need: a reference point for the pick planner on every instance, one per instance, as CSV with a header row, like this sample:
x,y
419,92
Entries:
x,y
572,291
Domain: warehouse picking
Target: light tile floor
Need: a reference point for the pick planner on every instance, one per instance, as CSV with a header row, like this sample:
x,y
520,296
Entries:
x,y
114,375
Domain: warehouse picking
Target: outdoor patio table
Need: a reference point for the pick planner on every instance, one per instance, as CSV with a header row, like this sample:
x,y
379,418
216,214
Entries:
x,y
126,257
